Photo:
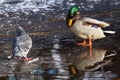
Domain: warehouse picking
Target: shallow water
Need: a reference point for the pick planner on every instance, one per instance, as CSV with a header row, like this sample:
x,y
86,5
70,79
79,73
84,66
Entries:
x,y
55,53
57,57
62,59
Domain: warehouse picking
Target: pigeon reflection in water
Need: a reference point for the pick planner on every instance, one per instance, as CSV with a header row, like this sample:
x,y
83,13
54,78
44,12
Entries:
x,y
22,44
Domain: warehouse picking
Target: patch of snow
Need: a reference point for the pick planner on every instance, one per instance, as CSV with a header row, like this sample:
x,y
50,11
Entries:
x,y
1,1
34,5
94,0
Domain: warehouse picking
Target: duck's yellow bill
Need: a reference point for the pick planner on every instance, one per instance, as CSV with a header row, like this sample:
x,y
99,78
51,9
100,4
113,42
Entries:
x,y
70,22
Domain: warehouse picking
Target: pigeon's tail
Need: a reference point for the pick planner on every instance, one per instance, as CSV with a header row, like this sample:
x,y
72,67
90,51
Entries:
x,y
10,57
109,32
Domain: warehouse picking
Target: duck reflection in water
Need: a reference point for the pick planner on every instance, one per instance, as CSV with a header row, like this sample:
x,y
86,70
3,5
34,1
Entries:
x,y
84,62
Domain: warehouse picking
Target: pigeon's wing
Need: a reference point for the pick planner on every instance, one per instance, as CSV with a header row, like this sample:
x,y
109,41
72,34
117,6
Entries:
x,y
16,47
22,44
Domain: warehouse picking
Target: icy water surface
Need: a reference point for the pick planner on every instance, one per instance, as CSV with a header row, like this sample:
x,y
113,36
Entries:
x,y
62,59
55,53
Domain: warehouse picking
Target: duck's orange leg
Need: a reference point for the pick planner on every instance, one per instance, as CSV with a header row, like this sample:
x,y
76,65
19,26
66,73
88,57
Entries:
x,y
83,43
90,41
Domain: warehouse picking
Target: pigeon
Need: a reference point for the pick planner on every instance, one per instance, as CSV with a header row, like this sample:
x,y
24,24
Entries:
x,y
21,45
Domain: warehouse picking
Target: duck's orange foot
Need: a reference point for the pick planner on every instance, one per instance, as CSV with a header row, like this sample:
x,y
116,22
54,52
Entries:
x,y
27,59
84,44
89,45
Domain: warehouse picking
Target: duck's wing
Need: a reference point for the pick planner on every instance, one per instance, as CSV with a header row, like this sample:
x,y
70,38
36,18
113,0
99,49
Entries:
x,y
95,22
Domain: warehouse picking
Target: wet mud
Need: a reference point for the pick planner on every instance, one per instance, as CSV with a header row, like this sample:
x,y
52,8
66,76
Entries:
x,y
55,53
59,58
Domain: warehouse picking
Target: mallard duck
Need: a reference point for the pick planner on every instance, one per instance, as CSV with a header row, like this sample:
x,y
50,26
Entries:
x,y
85,28
21,45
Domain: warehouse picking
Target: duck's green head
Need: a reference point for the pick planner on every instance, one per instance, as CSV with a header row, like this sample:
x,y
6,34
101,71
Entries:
x,y
72,12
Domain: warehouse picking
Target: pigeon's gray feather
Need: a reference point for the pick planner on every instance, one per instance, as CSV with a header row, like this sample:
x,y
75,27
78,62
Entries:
x,y
23,43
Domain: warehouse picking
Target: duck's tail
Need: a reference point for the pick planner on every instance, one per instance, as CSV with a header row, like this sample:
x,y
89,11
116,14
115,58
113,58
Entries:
x,y
109,32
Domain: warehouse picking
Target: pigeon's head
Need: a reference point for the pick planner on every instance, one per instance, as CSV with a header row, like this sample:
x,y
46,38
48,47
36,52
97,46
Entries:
x,y
20,31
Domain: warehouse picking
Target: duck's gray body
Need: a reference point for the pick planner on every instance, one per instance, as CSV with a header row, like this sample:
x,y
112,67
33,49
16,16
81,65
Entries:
x,y
83,30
